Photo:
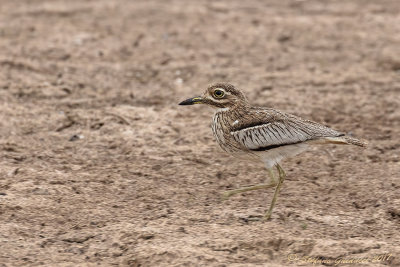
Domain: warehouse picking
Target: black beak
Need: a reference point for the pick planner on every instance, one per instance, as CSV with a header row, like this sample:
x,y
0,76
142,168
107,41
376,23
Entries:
x,y
192,101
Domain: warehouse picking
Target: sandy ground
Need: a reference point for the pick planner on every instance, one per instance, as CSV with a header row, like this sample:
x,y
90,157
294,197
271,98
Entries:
x,y
101,167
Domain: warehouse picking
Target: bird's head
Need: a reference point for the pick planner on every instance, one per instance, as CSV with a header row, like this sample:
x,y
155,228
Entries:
x,y
219,95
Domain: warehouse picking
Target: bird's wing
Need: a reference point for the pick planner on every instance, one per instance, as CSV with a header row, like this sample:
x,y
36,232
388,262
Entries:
x,y
286,130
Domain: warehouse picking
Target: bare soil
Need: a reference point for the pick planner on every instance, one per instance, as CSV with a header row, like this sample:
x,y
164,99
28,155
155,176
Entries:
x,y
101,167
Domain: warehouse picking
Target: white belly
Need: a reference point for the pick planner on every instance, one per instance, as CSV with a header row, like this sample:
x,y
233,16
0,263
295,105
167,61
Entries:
x,y
275,155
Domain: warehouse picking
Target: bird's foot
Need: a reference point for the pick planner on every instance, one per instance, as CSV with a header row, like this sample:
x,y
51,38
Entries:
x,y
267,216
229,193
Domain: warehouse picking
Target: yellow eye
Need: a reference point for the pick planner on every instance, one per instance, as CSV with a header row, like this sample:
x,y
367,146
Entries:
x,y
219,93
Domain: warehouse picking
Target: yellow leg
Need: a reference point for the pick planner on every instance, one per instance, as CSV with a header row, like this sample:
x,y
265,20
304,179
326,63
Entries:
x,y
272,176
273,183
282,177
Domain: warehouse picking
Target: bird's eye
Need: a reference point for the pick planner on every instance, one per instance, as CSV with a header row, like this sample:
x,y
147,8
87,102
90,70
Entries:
x,y
219,93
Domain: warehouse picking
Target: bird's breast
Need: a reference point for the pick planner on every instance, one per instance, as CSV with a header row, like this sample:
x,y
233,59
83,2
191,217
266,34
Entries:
x,y
222,125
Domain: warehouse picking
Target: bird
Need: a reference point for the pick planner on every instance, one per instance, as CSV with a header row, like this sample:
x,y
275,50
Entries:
x,y
262,133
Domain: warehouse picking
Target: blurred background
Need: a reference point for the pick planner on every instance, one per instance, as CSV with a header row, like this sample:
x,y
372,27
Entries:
x,y
99,165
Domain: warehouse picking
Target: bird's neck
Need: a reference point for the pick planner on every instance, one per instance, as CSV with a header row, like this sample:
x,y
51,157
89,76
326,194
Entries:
x,y
233,108
226,109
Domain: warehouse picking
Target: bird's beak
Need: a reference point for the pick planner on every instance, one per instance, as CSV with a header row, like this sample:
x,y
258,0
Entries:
x,y
192,101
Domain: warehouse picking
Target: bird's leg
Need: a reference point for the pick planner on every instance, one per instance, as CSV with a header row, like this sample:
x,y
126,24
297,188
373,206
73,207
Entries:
x,y
282,177
272,176
273,183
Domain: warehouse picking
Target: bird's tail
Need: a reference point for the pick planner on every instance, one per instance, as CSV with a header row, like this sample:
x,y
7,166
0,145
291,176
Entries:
x,y
345,140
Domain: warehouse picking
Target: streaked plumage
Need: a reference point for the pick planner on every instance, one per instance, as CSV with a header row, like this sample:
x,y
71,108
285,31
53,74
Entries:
x,y
262,133
269,134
